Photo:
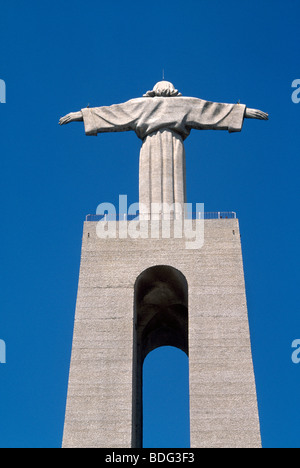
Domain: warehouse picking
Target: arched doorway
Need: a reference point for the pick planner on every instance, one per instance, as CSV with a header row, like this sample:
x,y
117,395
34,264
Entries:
x,y
160,319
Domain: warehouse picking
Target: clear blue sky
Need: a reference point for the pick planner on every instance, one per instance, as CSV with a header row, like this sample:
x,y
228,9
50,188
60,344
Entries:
x,y
56,57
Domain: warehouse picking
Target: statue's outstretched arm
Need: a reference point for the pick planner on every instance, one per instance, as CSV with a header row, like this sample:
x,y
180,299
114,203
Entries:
x,y
72,117
256,114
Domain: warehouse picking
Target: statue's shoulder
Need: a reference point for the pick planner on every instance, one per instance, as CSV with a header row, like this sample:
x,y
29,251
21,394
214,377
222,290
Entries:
x,y
163,101
139,100
191,99
136,102
183,99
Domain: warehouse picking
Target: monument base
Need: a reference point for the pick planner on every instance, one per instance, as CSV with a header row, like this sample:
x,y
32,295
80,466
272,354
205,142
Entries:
x,y
120,317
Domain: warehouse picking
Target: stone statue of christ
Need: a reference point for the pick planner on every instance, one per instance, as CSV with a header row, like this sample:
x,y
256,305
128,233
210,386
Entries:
x,y
163,119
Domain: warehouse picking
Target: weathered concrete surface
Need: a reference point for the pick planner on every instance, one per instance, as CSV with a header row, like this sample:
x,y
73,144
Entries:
x,y
223,405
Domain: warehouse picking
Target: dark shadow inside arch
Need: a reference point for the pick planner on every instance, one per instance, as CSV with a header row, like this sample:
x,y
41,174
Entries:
x,y
160,319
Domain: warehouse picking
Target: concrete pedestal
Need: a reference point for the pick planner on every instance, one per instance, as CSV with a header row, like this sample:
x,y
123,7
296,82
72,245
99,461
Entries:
x,y
137,294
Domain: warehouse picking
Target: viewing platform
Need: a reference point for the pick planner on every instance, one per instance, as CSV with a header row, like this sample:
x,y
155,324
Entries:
x,y
135,217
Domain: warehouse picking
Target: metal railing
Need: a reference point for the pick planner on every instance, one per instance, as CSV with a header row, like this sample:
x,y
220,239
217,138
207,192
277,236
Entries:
x,y
127,217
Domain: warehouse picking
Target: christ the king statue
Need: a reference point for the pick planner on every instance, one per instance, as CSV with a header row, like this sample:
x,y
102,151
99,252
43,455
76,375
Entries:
x,y
163,119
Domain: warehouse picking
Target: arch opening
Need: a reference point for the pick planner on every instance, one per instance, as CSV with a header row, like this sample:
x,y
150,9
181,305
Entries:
x,y
166,399
160,319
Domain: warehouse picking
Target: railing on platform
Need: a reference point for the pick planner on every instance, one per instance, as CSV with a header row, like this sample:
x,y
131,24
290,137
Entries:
x,y
127,217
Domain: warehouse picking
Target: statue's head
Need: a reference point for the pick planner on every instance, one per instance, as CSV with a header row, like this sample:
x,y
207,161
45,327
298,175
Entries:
x,y
163,89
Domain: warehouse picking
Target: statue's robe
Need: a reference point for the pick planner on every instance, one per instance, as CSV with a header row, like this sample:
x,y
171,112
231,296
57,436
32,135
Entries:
x,y
163,123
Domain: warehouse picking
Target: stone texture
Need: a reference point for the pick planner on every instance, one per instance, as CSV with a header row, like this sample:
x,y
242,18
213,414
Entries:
x,y
101,404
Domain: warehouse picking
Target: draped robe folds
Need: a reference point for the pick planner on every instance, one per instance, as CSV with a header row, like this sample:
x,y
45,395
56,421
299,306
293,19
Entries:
x,y
163,123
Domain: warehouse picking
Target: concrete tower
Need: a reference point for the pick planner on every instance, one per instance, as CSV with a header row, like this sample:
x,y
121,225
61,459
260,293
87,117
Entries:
x,y
141,288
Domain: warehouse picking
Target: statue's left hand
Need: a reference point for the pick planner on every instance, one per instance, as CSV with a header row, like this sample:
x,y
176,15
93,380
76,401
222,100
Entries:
x,y
72,117
256,114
